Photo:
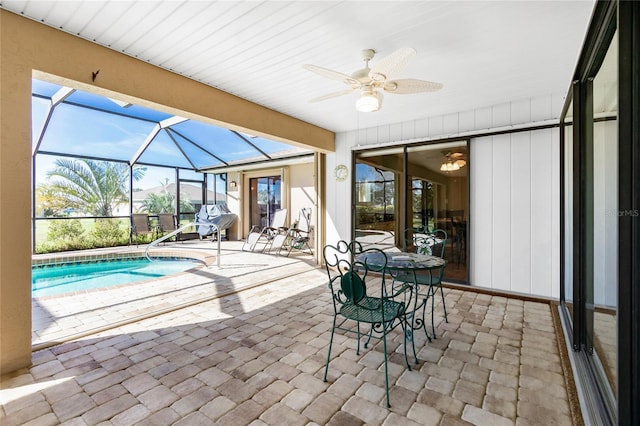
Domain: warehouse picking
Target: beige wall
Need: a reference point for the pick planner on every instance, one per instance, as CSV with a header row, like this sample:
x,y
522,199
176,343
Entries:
x,y
303,193
29,48
298,186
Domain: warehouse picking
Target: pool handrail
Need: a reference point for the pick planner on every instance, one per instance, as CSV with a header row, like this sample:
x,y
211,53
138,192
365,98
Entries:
x,y
177,231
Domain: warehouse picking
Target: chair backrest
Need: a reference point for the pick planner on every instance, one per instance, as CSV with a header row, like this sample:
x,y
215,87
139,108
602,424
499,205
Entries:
x,y
167,222
424,241
279,218
347,269
140,222
303,221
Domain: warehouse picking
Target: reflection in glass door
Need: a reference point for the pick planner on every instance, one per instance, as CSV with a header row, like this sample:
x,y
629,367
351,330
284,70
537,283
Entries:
x,y
422,197
590,284
602,302
265,198
414,186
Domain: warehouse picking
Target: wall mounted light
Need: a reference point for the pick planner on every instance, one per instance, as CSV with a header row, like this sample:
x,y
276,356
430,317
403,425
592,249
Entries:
x,y
233,184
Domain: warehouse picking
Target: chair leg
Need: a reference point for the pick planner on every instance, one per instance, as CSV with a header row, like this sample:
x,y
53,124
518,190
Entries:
x,y
386,369
433,306
408,335
424,311
326,368
444,306
358,347
366,344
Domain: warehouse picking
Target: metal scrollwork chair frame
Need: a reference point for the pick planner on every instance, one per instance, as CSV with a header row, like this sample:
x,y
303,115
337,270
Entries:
x,y
348,272
432,243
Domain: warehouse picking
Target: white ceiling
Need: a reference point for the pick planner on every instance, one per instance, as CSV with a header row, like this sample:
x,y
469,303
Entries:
x,y
484,52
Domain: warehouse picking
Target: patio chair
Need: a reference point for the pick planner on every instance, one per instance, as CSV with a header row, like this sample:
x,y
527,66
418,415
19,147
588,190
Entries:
x,y
352,304
140,226
265,235
167,224
432,243
423,241
300,233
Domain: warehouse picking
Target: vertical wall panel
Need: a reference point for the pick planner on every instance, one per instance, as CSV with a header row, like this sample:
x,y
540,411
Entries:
x,y
483,118
435,126
520,212
501,115
521,111
372,135
557,102
395,132
361,137
501,208
541,108
480,212
383,134
467,121
408,130
541,224
422,127
450,124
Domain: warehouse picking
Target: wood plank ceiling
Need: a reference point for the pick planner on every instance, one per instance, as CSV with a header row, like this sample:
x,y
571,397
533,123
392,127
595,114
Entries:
x,y
484,52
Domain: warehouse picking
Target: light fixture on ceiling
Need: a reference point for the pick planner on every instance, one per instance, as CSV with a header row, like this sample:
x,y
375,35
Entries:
x,y
369,101
453,161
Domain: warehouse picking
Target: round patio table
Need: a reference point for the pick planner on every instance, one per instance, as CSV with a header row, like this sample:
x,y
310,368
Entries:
x,y
405,264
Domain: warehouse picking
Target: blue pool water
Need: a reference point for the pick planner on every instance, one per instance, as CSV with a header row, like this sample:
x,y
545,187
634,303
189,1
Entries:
x,y
47,280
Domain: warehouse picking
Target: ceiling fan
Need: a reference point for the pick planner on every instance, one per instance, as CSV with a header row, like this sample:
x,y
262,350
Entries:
x,y
453,160
372,81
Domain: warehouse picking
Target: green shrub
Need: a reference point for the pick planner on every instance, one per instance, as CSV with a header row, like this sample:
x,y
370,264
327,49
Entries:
x,y
65,229
107,233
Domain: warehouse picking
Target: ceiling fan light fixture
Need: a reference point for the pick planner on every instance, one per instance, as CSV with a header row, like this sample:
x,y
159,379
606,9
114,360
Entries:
x,y
369,101
449,167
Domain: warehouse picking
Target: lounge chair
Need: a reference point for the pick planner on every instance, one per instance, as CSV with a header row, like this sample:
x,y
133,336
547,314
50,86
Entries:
x,y
265,235
299,234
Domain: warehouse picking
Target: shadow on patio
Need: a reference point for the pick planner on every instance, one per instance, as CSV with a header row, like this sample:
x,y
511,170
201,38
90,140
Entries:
x,y
257,357
58,318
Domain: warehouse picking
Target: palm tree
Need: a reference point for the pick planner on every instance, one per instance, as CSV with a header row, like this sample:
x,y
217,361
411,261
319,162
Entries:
x,y
164,202
94,187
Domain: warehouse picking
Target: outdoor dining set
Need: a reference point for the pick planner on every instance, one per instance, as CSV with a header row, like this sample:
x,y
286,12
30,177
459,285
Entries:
x,y
385,290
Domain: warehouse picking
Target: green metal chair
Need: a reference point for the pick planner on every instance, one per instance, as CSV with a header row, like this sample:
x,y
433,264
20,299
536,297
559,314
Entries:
x,y
348,272
432,243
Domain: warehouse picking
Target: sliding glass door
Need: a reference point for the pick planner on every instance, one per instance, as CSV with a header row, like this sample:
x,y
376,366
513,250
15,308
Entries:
x,y
265,197
414,186
590,240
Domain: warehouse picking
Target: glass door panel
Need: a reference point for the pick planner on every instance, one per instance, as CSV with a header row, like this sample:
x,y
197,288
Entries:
x,y
435,196
265,198
568,210
602,303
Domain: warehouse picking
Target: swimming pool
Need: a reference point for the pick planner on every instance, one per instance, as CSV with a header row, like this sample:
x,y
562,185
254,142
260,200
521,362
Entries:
x,y
56,279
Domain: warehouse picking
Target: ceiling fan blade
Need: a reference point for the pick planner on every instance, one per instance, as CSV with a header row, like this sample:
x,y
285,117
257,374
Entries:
x,y
392,64
331,95
410,85
333,75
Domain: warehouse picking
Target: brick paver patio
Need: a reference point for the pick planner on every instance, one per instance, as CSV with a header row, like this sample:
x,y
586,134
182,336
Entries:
x,y
257,357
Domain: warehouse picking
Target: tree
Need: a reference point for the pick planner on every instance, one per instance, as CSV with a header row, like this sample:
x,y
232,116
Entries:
x,y
90,186
164,202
